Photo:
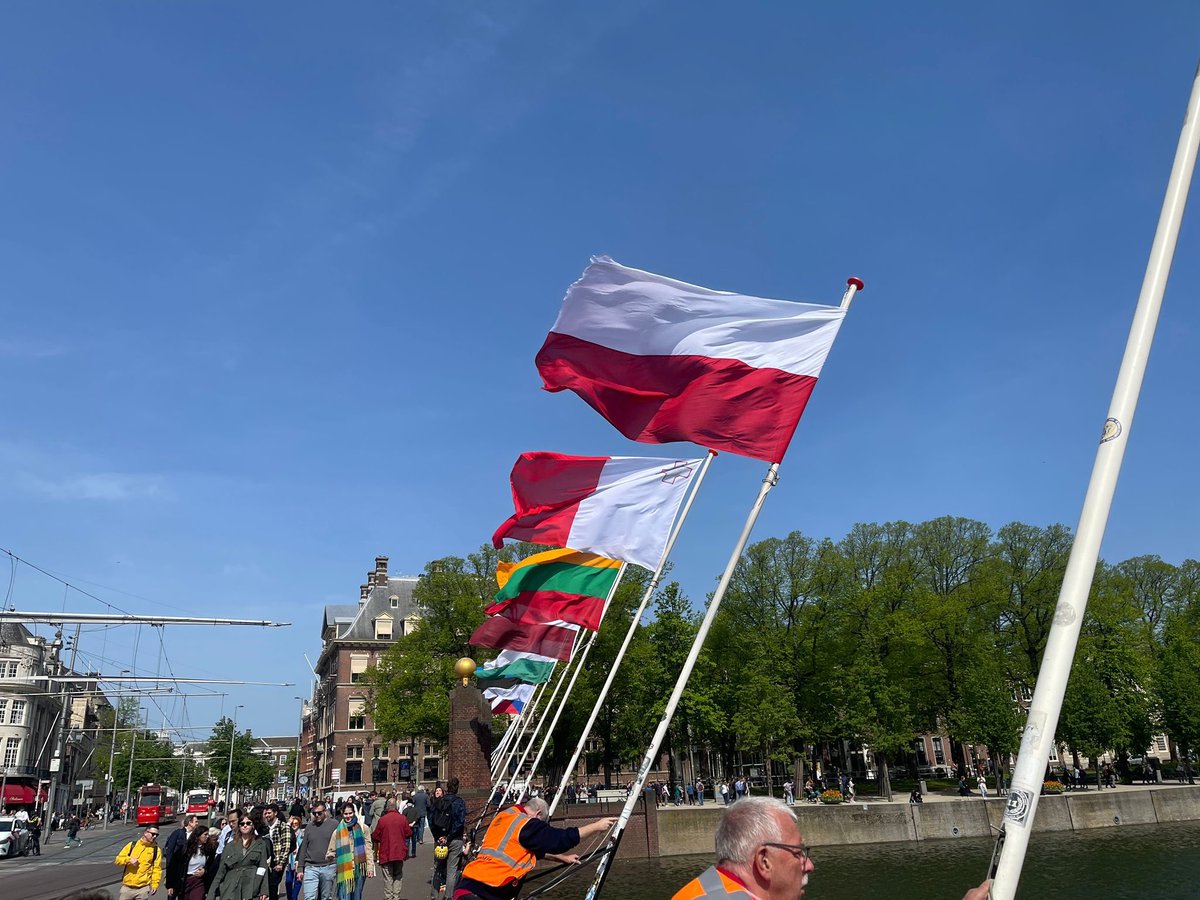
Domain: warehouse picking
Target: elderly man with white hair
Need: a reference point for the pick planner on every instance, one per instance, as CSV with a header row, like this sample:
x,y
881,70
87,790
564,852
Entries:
x,y
516,839
761,855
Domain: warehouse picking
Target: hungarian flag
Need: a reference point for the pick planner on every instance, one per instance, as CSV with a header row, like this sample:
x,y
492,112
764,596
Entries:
x,y
557,584
552,639
621,507
527,667
664,360
509,700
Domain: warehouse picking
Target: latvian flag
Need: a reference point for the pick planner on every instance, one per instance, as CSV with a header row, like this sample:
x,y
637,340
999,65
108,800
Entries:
x,y
664,360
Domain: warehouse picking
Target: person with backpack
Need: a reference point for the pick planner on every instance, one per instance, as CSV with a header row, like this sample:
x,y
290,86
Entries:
x,y
142,863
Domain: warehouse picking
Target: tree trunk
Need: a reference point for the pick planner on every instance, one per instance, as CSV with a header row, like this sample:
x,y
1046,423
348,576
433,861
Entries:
x,y
885,777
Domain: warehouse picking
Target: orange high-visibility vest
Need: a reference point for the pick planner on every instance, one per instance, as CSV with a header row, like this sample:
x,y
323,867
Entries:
x,y
712,882
501,860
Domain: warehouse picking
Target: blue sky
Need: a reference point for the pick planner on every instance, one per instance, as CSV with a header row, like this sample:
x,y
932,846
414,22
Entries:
x,y
272,277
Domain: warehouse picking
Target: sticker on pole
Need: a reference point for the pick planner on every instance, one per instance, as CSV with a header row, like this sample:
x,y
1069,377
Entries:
x,y
1112,429
1019,804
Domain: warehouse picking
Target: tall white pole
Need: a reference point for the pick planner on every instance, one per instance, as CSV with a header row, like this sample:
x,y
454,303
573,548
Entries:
x,y
576,653
772,478
651,587
571,686
526,717
1040,726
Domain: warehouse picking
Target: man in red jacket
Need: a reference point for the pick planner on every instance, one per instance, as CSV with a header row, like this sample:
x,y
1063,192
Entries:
x,y
390,837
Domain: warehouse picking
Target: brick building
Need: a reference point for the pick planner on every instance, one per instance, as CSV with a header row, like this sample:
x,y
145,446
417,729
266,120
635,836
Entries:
x,y
342,752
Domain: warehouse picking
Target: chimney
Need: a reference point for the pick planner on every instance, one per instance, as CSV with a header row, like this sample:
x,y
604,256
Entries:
x,y
371,579
363,590
381,570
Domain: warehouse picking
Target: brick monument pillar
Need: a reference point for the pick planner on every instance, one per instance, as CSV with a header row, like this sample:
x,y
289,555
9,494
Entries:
x,y
469,755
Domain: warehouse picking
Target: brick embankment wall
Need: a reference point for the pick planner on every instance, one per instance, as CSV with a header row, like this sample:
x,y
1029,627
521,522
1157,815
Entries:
x,y
691,829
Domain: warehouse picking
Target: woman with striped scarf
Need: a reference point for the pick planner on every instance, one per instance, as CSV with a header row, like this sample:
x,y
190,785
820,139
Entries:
x,y
348,850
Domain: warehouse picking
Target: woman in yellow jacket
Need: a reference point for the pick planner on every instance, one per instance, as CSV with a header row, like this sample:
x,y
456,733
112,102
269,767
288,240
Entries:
x,y
142,861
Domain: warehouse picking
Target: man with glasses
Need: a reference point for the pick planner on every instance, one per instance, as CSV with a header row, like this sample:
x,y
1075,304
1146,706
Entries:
x,y
312,868
142,862
760,855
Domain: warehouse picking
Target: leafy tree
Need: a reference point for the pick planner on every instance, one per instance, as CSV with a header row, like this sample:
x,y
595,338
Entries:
x,y
250,772
154,760
409,689
1177,685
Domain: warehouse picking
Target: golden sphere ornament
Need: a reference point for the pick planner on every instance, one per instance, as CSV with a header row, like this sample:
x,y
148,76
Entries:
x,y
465,668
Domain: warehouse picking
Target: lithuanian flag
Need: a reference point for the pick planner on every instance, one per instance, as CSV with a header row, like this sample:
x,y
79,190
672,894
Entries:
x,y
564,585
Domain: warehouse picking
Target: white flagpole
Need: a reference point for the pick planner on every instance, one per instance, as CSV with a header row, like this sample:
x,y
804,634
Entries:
x,y
772,478
1038,736
578,656
536,727
571,686
632,630
528,717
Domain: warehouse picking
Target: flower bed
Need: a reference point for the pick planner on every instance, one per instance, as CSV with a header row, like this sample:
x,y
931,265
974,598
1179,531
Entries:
x,y
1052,787
831,796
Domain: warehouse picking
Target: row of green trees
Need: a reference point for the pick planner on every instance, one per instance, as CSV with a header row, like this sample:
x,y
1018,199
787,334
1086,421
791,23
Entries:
x,y
896,629
155,762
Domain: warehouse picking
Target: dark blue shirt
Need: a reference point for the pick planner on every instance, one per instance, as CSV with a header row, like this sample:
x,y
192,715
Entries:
x,y
539,838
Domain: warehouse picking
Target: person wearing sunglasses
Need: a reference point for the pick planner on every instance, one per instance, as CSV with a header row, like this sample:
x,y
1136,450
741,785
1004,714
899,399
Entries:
x,y
760,855
316,874
142,862
242,874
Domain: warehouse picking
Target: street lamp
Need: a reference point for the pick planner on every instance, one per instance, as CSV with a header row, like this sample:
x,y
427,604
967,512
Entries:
x,y
229,773
299,744
108,784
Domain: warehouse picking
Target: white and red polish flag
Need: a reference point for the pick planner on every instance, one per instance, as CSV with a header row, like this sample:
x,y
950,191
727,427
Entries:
x,y
664,360
621,507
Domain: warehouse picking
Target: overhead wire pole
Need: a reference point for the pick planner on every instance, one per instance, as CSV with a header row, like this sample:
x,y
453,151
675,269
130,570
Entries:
x,y
772,478
1042,722
571,685
651,587
58,760
65,618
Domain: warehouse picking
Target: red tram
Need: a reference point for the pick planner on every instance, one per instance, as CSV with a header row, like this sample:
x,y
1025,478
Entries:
x,y
157,804
199,803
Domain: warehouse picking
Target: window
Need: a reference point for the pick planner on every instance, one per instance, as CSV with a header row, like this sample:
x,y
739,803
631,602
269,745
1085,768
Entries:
x,y
17,717
3,709
429,771
939,755
383,628
12,751
358,715
1054,753
1161,742
8,668
358,666
354,772
919,748
354,753
395,601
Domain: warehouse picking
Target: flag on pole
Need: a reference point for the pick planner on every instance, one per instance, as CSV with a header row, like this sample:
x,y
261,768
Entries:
x,y
509,700
557,584
527,667
621,507
553,639
664,360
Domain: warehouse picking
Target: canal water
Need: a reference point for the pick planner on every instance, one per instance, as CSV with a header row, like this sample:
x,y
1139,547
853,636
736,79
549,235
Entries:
x,y
1134,862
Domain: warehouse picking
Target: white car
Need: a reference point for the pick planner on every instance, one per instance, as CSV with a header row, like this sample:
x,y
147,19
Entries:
x,y
14,837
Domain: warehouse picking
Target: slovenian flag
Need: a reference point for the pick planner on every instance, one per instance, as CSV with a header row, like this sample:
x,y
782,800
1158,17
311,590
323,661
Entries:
x,y
509,700
664,360
557,584
620,507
